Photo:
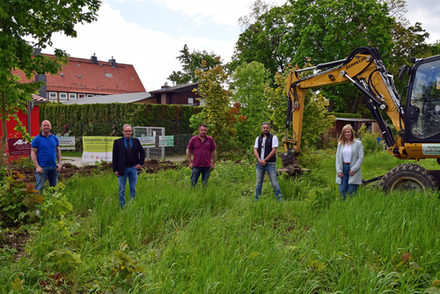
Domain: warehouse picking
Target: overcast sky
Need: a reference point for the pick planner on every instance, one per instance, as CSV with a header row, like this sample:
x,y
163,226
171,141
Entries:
x,y
150,33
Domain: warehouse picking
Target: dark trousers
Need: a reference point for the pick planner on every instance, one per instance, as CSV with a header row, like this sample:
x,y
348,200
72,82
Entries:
x,y
196,171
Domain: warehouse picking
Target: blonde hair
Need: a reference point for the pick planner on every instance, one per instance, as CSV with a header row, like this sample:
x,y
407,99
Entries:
x,y
342,139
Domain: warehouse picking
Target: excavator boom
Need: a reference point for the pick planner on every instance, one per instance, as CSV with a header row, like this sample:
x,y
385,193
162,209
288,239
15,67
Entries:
x,y
365,70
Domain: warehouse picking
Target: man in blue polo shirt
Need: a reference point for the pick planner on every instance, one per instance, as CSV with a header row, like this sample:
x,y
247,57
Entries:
x,y
46,156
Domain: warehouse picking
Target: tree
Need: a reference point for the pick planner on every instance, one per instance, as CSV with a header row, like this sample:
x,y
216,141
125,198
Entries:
x,y
409,41
261,41
216,110
329,30
192,61
249,81
315,119
27,25
321,30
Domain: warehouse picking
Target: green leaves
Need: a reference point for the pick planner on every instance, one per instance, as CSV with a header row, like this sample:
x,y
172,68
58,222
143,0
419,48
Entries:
x,y
216,110
191,62
249,84
18,200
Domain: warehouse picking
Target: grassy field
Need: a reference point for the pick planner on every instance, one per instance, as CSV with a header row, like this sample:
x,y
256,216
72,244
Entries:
x,y
176,239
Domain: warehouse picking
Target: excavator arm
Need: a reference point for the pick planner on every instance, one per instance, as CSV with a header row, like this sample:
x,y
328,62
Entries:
x,y
417,123
364,69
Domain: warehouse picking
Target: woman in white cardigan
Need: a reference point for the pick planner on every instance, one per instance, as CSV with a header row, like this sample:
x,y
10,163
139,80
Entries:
x,y
349,158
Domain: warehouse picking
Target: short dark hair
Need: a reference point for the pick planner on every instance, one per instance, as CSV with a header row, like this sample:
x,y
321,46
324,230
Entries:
x,y
203,125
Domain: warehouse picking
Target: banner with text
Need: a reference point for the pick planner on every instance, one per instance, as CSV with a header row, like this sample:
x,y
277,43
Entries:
x,y
97,148
147,142
18,146
166,141
66,143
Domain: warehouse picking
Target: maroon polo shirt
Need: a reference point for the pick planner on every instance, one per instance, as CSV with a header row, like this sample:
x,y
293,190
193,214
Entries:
x,y
201,150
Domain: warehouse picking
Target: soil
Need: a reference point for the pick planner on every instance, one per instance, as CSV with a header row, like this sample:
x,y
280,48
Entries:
x,y
68,170
15,239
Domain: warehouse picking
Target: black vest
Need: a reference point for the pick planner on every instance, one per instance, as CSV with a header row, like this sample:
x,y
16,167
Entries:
x,y
267,147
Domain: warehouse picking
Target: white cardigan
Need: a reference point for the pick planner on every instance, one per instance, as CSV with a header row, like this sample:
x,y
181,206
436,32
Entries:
x,y
357,157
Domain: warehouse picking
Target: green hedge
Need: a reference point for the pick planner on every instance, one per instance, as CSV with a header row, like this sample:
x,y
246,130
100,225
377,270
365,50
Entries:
x,y
108,119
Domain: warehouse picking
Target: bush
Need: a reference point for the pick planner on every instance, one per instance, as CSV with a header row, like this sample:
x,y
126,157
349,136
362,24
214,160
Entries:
x,y
370,143
18,200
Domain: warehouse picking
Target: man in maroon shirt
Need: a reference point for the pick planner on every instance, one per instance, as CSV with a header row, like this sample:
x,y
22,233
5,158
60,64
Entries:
x,y
204,151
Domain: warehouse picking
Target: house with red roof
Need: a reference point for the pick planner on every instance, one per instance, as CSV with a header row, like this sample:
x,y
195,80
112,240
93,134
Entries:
x,y
81,78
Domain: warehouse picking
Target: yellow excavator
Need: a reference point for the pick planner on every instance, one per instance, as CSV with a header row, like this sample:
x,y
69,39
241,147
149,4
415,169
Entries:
x,y
417,122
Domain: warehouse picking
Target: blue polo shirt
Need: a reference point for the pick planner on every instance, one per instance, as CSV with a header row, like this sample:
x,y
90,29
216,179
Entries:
x,y
47,150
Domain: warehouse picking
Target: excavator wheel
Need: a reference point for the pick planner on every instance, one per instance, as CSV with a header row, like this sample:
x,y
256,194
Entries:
x,y
408,177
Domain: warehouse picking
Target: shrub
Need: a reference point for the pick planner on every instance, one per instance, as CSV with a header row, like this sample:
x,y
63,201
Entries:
x,y
18,200
369,141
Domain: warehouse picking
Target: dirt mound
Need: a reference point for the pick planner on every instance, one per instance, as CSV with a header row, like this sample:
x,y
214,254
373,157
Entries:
x,y
153,165
68,170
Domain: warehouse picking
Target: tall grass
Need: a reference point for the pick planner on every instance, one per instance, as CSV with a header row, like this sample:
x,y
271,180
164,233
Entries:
x,y
217,240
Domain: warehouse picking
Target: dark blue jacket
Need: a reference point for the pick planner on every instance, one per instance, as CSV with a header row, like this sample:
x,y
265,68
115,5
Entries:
x,y
120,155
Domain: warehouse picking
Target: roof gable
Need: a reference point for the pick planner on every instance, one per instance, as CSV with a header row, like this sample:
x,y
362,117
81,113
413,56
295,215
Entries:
x,y
81,75
174,89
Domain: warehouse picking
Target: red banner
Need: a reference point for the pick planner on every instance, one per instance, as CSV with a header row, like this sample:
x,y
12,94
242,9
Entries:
x,y
17,146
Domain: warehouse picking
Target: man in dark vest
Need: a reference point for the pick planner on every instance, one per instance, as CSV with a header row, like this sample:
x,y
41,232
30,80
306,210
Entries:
x,y
265,149
128,158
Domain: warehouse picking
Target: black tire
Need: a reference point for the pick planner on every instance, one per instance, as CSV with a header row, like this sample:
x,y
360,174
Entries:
x,y
408,177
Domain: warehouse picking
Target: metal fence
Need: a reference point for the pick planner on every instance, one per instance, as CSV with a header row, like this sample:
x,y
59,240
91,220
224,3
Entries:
x,y
156,148
180,141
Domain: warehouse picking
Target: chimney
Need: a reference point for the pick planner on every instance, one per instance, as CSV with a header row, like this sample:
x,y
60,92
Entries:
x,y
112,62
94,59
165,86
43,90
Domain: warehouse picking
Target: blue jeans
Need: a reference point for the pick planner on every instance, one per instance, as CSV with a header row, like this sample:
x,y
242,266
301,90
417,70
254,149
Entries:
x,y
272,172
131,173
345,187
196,171
50,173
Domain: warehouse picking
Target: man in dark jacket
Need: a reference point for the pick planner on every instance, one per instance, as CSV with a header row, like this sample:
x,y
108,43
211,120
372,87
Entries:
x,y
265,149
128,158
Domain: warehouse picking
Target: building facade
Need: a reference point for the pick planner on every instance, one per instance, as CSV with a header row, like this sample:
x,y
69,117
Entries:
x,y
81,78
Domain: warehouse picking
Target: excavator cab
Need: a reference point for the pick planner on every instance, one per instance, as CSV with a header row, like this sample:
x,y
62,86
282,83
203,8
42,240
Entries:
x,y
423,102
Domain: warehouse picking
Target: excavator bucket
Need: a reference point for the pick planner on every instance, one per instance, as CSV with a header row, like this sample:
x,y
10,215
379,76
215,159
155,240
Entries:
x,y
290,164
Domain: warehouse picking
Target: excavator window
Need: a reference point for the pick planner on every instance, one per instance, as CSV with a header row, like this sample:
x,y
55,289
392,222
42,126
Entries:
x,y
424,110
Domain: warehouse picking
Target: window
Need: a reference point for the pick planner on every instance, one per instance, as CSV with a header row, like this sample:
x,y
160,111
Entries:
x,y
90,95
63,96
72,96
190,100
424,113
81,95
108,75
53,96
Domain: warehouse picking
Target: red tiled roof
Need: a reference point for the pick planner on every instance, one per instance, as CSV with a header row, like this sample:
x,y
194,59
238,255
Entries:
x,y
82,76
